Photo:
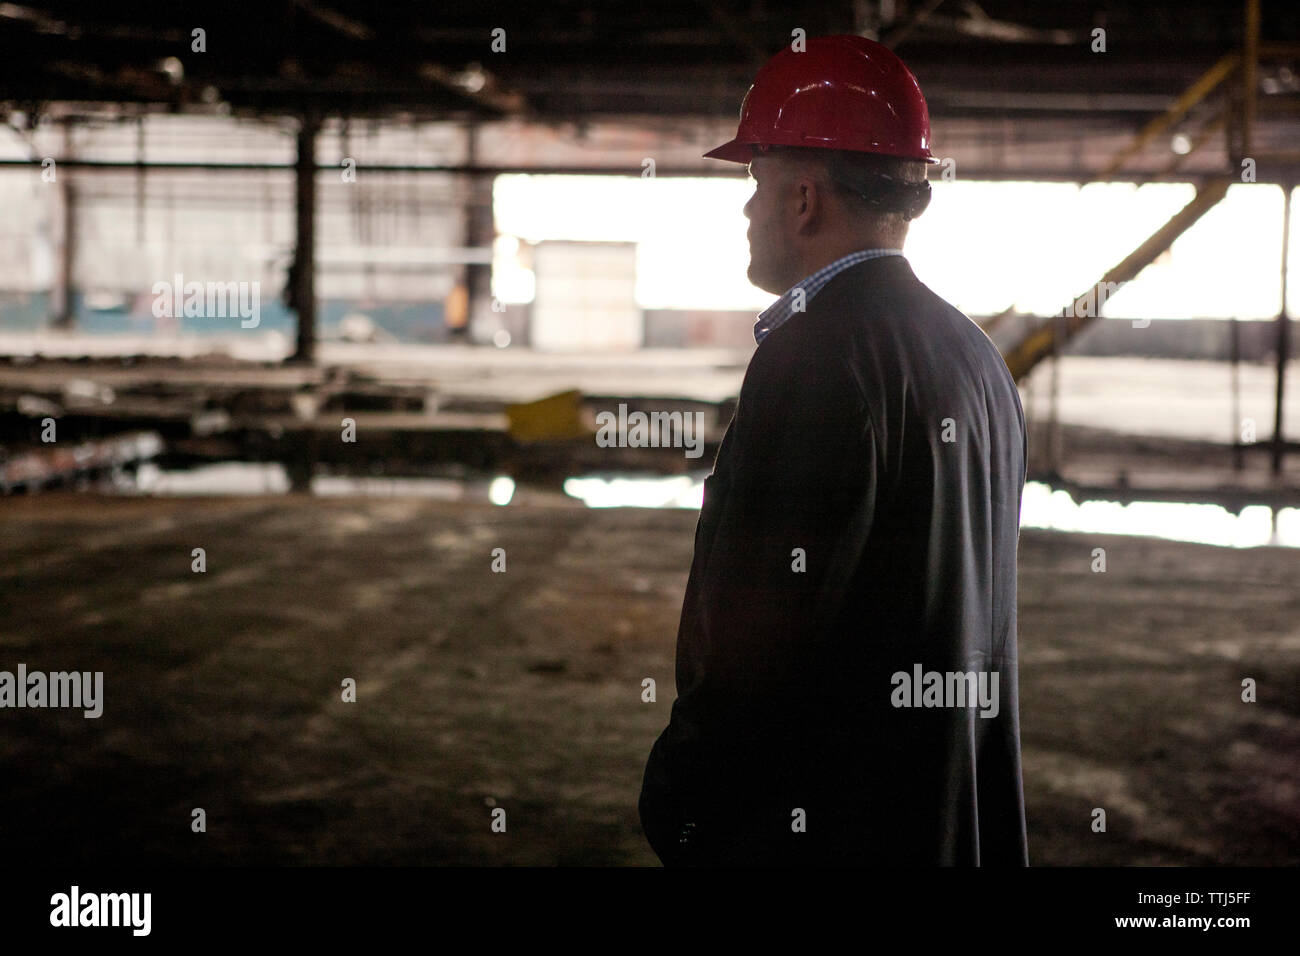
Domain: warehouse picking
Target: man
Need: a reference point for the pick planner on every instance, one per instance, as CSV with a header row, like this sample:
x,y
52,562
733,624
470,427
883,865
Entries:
x,y
846,658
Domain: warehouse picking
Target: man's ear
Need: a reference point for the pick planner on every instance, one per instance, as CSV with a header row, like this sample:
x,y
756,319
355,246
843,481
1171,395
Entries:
x,y
810,203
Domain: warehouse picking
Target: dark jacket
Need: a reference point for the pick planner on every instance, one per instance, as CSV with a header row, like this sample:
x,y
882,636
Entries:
x,y
880,436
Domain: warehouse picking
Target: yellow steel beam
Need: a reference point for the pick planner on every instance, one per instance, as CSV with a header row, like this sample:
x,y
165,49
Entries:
x,y
1249,75
1212,126
994,322
1085,309
1180,107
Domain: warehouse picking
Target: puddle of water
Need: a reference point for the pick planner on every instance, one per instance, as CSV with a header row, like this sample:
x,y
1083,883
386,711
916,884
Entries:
x,y
1041,507
223,478
677,491
1256,525
269,478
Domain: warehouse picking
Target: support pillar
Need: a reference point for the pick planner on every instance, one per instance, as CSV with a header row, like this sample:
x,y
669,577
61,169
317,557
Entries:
x,y
303,271
64,298
480,230
1283,338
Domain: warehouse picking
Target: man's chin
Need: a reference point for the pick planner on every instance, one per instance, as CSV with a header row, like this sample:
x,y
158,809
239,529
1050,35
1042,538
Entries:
x,y
758,279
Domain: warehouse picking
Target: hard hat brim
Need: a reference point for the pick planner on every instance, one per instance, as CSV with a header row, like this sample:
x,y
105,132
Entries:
x,y
733,151
738,151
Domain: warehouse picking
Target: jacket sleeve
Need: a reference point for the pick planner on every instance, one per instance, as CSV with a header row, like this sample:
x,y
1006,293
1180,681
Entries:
x,y
796,509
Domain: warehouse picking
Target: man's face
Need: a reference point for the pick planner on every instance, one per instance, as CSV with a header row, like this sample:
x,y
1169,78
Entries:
x,y
770,238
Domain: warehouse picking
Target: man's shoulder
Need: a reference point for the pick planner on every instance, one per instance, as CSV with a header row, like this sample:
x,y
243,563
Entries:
x,y
879,289
889,308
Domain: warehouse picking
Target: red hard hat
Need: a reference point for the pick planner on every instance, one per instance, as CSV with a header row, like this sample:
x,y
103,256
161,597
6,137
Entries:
x,y
842,92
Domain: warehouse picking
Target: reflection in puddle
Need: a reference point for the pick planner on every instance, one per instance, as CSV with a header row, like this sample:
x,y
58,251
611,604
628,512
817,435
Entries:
x,y
678,491
269,478
1042,507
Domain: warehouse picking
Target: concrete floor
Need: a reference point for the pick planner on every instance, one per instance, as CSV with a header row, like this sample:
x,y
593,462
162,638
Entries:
x,y
521,690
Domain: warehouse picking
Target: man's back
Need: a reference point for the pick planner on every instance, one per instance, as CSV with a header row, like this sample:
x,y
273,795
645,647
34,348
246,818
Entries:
x,y
847,651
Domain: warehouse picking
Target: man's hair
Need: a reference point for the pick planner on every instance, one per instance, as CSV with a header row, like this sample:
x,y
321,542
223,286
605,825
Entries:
x,y
889,188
